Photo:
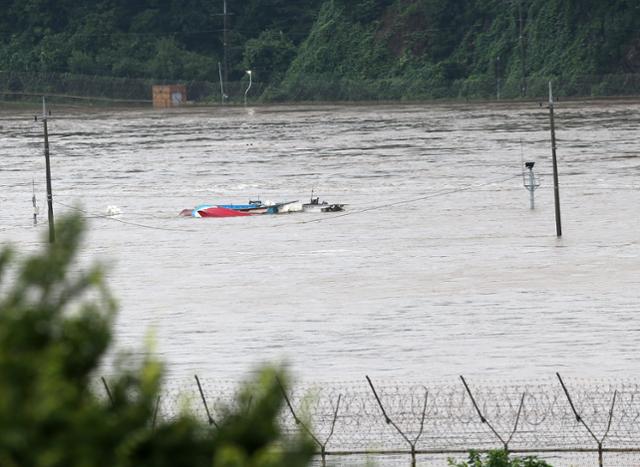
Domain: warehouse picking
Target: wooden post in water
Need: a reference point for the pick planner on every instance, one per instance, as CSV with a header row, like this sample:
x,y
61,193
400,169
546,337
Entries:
x,y
556,188
52,233
34,202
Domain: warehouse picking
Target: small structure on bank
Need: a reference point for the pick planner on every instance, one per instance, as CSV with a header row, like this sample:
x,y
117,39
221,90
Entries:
x,y
173,95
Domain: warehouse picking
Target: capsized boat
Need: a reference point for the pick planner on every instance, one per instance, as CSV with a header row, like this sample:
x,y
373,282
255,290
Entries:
x,y
219,211
258,207
238,210
227,210
289,206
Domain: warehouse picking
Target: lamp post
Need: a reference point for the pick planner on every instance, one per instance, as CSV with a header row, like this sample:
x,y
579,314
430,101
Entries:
x,y
248,87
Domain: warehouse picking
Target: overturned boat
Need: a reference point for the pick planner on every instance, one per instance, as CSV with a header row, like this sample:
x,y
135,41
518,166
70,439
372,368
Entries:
x,y
238,210
258,207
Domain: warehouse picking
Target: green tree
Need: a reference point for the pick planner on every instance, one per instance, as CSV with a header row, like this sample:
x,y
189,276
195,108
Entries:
x,y
55,327
498,458
269,55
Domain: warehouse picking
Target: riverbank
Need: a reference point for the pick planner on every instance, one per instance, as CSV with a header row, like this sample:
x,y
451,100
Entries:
x,y
34,101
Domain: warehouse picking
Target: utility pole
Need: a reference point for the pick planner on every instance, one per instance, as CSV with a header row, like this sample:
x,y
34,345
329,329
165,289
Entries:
x,y
523,84
223,70
52,233
225,43
556,188
498,77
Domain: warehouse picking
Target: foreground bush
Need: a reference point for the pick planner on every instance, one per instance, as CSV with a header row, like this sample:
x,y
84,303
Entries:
x,y
498,458
55,327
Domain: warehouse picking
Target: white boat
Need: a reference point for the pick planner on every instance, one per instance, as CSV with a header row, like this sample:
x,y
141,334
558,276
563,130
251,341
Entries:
x,y
289,206
316,206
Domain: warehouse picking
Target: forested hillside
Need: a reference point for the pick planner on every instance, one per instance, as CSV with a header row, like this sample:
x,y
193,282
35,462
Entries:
x,y
474,48
150,38
333,49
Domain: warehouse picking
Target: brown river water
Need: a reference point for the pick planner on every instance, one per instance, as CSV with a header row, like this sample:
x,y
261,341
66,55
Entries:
x,y
439,267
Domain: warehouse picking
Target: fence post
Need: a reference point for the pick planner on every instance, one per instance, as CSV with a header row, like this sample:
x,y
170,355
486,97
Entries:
x,y
515,426
483,419
321,445
323,452
204,402
106,388
155,412
388,420
613,403
580,419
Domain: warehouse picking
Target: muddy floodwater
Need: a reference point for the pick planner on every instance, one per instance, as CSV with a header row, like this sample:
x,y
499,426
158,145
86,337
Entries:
x,y
438,268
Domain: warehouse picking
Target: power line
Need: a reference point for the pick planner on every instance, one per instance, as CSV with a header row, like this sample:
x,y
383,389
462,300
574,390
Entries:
x,y
136,224
406,201
319,219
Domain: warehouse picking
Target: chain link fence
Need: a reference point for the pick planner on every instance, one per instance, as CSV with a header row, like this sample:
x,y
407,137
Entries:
x,y
565,422
17,85
67,86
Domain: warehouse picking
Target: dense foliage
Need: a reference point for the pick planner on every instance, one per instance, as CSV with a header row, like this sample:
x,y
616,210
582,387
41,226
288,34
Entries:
x,y
498,458
337,49
162,39
476,48
55,326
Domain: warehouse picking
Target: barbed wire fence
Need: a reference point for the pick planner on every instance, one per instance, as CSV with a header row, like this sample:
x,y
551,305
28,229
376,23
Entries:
x,y
564,421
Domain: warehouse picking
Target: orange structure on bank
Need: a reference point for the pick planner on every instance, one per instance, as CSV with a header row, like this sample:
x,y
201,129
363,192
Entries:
x,y
173,95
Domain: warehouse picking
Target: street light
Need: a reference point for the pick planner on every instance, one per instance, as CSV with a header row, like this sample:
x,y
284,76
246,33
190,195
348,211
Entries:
x,y
248,87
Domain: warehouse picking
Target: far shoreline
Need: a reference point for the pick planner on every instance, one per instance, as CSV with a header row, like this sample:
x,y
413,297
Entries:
x,y
34,102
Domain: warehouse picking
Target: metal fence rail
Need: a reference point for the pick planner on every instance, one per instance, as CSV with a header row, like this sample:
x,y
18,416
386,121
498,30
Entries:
x,y
573,422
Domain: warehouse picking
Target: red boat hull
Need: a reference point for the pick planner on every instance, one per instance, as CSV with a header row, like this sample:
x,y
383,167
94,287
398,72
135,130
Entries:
x,y
216,211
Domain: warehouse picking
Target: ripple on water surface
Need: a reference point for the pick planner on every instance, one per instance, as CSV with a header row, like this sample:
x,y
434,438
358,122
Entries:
x,y
457,281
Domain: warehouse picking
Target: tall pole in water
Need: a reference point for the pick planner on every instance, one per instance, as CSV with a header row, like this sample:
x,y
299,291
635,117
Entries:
x,y
35,203
52,233
556,188
532,183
